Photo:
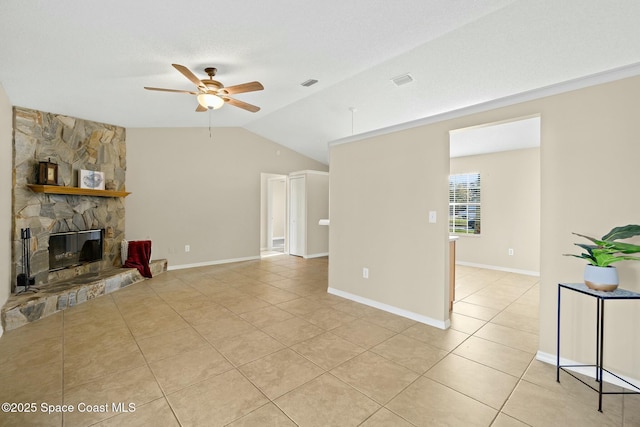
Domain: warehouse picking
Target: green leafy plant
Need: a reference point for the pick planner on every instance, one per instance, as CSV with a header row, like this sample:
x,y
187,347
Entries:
x,y
608,249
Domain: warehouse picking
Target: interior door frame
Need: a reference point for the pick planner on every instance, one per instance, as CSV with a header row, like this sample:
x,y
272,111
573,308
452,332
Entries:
x,y
290,204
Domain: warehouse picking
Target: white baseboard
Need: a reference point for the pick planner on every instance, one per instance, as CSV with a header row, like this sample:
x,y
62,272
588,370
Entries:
x,y
315,255
587,371
391,309
206,263
495,267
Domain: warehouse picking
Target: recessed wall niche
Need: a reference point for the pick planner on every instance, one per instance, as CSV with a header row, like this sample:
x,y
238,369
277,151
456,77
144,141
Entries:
x,y
73,144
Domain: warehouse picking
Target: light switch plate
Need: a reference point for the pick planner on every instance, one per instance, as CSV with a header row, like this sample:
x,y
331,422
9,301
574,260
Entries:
x,y
432,217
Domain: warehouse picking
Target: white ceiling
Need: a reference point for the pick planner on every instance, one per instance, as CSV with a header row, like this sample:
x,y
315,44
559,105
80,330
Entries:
x,y
91,59
495,137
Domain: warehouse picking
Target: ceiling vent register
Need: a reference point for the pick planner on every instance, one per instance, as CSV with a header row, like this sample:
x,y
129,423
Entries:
x,y
402,80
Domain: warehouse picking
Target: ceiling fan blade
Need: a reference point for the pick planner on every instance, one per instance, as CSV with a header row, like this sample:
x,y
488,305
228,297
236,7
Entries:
x,y
241,104
200,108
188,74
245,87
171,90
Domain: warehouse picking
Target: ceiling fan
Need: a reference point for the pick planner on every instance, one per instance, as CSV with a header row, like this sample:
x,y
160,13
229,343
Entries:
x,y
212,94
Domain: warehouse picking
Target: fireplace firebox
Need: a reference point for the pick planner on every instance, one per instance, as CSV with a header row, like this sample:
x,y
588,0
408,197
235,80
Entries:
x,y
74,248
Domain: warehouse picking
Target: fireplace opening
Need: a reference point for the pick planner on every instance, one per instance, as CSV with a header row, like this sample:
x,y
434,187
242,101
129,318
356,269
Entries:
x,y
75,248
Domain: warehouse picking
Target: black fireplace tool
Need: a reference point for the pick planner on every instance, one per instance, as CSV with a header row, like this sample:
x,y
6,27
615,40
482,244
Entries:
x,y
24,279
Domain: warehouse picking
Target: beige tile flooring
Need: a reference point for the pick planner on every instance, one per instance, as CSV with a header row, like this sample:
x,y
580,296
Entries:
x,y
261,343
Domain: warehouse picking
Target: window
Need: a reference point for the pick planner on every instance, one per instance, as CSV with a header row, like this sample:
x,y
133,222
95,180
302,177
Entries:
x,y
464,203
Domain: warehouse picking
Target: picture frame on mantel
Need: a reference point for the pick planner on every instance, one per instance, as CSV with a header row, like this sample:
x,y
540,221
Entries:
x,y
93,180
47,173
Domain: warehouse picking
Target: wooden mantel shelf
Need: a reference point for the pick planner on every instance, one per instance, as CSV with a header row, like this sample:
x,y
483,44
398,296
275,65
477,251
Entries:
x,y
75,191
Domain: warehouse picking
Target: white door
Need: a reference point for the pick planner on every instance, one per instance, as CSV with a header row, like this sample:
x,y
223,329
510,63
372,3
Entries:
x,y
297,214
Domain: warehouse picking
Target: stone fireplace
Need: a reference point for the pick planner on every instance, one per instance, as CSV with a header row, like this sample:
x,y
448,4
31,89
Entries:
x,y
73,144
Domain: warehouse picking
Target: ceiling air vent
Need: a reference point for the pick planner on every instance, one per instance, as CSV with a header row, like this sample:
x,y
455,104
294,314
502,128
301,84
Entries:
x,y
309,82
402,80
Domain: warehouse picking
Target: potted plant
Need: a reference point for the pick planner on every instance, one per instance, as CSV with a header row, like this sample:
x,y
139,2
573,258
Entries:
x,y
599,274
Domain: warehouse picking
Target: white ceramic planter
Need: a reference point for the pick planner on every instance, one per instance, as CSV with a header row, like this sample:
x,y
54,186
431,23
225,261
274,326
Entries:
x,y
601,278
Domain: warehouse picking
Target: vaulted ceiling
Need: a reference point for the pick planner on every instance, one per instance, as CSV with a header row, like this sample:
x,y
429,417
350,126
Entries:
x,y
91,59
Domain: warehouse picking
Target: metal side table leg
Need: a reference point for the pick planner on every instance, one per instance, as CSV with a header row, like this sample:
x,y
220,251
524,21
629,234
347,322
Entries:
x,y
601,351
558,340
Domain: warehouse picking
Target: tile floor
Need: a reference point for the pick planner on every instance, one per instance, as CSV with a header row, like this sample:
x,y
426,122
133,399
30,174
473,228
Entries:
x,y
261,343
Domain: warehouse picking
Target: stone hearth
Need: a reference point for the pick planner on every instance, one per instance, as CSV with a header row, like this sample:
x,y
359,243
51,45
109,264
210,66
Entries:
x,y
56,296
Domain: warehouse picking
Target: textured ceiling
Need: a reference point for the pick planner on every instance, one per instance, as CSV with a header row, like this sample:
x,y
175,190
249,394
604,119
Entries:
x,y
91,59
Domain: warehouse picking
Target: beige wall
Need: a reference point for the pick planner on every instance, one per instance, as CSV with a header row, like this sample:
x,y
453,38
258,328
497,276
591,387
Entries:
x,y
510,211
192,189
317,208
588,157
279,207
382,190
6,168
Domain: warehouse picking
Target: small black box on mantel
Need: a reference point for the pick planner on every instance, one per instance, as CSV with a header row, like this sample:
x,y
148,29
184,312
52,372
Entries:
x,y
48,173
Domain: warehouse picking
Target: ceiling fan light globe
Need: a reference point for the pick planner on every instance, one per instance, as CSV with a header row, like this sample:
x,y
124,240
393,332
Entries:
x,y
208,100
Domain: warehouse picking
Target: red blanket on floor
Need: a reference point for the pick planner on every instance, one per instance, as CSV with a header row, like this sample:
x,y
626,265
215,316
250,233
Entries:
x,y
139,256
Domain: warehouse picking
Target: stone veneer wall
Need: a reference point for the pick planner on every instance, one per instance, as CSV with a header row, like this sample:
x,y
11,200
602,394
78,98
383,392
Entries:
x,y
73,144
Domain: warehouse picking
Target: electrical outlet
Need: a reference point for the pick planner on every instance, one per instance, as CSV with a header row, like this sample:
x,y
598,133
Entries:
x,y
365,273
187,248
510,252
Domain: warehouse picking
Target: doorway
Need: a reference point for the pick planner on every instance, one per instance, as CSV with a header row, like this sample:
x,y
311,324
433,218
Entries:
x,y
505,158
274,215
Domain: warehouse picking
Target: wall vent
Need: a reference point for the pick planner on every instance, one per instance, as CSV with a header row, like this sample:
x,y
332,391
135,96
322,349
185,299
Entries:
x,y
309,82
402,80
